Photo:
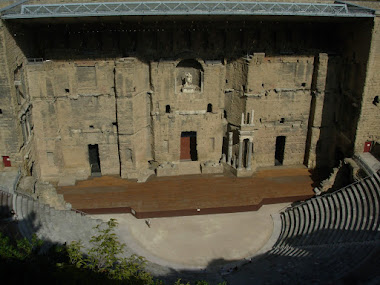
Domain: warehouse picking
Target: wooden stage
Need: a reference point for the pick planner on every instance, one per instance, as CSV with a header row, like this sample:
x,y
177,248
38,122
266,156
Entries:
x,y
191,194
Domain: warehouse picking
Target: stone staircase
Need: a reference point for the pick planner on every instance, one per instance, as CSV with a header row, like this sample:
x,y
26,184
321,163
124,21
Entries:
x,y
322,240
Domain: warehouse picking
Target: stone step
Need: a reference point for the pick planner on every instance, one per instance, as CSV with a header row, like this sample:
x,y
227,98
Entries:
x,y
376,197
25,217
309,212
297,223
322,220
47,227
283,227
333,219
316,220
352,215
360,210
21,221
305,216
28,215
286,226
338,218
362,192
6,204
372,204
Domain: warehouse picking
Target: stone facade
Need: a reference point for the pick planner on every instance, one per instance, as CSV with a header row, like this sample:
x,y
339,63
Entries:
x,y
185,96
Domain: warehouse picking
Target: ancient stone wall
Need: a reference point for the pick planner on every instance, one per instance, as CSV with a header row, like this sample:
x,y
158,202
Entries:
x,y
278,90
368,126
154,93
133,115
73,107
195,109
10,131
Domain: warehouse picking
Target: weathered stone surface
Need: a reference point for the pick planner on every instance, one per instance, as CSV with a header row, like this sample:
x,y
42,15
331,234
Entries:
x,y
46,193
26,185
114,96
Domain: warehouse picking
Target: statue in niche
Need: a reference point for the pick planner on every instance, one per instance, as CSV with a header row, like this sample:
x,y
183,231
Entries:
x,y
188,79
188,76
188,86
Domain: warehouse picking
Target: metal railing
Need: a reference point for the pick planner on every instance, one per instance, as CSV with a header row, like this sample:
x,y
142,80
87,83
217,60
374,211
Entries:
x,y
185,8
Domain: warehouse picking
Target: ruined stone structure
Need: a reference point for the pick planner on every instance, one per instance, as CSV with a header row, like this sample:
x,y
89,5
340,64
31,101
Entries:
x,y
113,93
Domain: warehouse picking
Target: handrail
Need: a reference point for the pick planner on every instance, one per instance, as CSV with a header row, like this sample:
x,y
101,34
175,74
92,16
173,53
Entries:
x,y
164,8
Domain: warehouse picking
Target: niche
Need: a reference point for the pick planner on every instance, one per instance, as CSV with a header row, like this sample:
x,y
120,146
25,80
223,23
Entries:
x,y
209,108
189,76
167,109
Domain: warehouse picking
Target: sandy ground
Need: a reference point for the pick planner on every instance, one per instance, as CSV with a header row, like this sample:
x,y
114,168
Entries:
x,y
197,241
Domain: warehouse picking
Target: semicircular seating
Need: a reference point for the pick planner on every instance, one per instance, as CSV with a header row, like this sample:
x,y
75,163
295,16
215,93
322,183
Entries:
x,y
323,239
49,224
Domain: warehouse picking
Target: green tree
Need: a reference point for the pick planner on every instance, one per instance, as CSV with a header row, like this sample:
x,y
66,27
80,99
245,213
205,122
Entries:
x,y
104,257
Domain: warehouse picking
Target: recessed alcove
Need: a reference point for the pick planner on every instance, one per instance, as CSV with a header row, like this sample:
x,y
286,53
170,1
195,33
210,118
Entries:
x,y
189,76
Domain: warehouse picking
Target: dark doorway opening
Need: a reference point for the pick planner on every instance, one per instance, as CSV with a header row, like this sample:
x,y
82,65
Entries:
x,y
245,152
280,149
93,157
189,146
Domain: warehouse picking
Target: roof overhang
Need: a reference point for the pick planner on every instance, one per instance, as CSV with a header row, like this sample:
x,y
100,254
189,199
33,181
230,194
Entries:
x,y
181,8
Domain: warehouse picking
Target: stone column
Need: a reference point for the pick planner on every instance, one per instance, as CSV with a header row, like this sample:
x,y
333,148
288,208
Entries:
x,y
229,157
240,162
249,159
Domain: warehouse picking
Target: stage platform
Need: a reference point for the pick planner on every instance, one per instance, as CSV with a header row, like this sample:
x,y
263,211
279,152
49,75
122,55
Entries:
x,y
190,194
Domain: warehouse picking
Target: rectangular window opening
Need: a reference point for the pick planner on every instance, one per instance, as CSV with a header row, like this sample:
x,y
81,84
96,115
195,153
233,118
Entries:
x,y
280,150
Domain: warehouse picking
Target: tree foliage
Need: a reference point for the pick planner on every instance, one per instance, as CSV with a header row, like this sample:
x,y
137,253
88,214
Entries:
x,y
106,257
103,263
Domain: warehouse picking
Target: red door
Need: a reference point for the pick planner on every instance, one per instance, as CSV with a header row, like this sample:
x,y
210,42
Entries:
x,y
6,161
185,148
367,146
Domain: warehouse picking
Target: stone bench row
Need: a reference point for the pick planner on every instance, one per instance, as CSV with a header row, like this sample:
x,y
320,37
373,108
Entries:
x,y
350,214
49,224
5,205
322,263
